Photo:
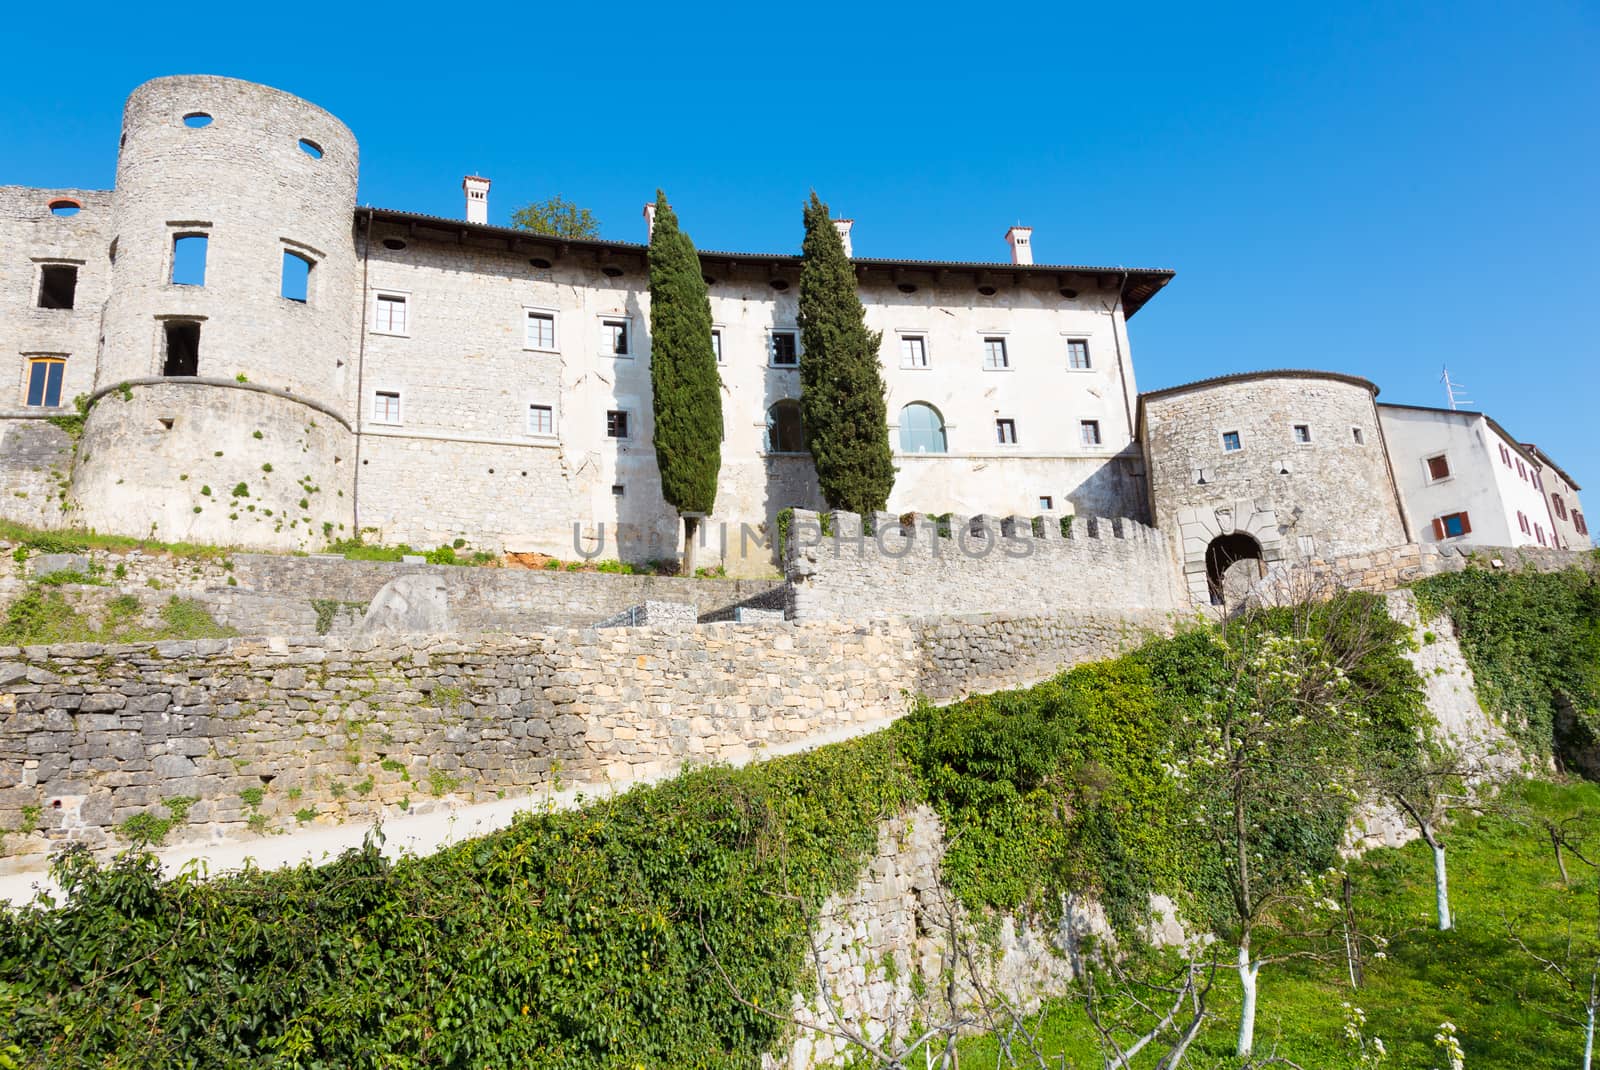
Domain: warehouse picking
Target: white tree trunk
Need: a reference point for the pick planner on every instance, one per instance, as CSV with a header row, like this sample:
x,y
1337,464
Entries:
x,y
691,525
1247,1006
1441,889
1588,1038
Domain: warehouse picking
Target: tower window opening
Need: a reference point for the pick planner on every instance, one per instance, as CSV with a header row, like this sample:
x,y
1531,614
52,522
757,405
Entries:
x,y
197,119
311,148
65,207
44,381
58,285
189,259
296,277
182,348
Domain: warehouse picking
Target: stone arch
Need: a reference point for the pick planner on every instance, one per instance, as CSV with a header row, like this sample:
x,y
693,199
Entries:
x,y
1198,526
1225,551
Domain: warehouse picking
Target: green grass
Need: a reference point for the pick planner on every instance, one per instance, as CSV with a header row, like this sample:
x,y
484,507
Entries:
x,y
73,541
1509,1012
44,615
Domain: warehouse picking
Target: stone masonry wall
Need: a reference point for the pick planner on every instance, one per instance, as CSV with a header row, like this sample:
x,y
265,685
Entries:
x,y
332,729
1018,565
1391,567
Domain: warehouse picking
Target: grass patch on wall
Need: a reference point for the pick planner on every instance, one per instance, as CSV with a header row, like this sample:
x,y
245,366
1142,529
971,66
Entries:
x,y
44,615
76,542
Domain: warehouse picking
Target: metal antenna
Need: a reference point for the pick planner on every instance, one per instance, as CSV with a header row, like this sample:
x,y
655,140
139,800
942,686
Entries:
x,y
1455,392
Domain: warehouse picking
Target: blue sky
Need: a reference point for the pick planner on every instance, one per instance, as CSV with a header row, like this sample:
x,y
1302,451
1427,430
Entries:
x,y
1377,190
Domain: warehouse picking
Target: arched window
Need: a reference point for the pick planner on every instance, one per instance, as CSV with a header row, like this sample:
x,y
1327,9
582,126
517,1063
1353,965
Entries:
x,y
784,432
921,429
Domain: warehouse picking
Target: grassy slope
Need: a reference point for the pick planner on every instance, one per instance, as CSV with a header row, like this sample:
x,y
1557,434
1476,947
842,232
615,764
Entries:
x,y
1509,1012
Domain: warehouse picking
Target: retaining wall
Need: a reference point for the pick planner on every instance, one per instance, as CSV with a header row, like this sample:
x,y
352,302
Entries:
x,y
333,729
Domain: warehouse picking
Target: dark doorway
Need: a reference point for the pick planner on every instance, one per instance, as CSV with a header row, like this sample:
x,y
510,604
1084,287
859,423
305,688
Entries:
x,y
183,348
1226,550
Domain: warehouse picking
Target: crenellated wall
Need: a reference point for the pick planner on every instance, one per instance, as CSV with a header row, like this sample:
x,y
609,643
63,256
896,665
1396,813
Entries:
x,y
918,565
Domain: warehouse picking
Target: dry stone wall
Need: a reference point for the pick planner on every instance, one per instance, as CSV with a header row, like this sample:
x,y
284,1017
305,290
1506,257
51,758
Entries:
x,y
265,733
920,566
1395,566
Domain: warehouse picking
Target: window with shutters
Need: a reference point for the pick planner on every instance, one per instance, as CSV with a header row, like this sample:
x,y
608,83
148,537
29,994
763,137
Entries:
x,y
1438,468
1558,505
1522,522
1579,523
1451,526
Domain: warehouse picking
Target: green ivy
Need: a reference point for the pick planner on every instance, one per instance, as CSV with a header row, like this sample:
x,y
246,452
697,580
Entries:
x,y
1533,642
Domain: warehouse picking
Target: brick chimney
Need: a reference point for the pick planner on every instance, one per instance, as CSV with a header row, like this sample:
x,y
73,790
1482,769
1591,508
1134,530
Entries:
x,y
477,191
843,227
1021,241
649,220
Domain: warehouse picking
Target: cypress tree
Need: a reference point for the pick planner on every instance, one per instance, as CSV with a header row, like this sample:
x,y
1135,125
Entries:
x,y
686,388
841,381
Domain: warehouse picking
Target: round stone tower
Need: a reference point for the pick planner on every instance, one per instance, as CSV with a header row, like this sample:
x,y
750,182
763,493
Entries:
x,y
1266,467
221,407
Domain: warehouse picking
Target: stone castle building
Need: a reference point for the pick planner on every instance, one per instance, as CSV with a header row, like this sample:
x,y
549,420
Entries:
x,y
268,364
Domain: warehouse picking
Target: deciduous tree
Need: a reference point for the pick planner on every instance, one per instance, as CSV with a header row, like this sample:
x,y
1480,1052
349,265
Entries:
x,y
557,217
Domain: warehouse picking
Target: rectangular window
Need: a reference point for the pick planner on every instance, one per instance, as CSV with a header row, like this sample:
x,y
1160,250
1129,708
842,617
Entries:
x,y
390,314
994,354
541,420
614,337
1046,503
785,349
1438,468
541,331
1505,455
1302,434
1538,533
618,490
189,260
1005,432
617,424
1522,471
296,277
1359,436
913,351
182,356
716,343
1078,353
1558,505
1231,442
58,285
386,406
1089,432
1451,526
44,381
1533,477
1579,523
1522,522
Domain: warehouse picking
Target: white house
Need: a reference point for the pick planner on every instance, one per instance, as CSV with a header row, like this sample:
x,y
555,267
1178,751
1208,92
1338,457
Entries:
x,y
1463,479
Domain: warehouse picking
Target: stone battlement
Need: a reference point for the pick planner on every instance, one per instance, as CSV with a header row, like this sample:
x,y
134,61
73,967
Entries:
x,y
840,565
